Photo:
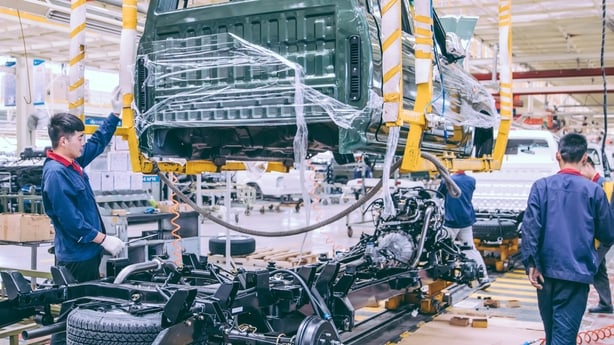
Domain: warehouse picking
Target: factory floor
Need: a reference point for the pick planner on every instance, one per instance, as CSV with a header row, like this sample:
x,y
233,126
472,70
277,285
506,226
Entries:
x,y
514,321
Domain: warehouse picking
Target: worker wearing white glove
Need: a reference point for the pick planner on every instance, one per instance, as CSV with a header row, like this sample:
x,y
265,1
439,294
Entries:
x,y
68,197
117,101
112,245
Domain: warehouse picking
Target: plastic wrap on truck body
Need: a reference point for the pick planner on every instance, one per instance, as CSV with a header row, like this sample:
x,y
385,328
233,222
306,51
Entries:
x,y
223,82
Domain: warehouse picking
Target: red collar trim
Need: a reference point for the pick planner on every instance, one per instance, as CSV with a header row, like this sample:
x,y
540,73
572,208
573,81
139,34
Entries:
x,y
56,157
570,171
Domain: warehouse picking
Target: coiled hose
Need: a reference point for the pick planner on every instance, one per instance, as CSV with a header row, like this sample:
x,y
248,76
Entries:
x,y
584,337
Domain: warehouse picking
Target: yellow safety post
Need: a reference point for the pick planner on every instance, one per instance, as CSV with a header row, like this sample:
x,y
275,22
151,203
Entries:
x,y
128,45
505,81
76,78
423,19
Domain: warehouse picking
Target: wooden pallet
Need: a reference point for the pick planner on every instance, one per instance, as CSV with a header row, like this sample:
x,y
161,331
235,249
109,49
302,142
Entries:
x,y
283,258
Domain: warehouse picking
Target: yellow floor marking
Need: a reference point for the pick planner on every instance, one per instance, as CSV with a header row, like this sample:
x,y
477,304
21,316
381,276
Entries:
x,y
514,281
494,289
506,298
512,286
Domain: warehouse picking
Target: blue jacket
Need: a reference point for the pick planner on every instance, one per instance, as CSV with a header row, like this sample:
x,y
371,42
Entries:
x,y
459,212
70,203
565,213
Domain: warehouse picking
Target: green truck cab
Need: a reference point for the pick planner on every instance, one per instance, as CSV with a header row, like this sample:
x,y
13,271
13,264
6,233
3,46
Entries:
x,y
220,82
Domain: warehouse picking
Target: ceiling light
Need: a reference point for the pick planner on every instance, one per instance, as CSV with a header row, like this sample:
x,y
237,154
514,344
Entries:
x,y
93,24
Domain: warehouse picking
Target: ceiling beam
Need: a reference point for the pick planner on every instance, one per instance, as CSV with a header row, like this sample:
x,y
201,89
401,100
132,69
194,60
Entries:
x,y
550,74
563,89
608,56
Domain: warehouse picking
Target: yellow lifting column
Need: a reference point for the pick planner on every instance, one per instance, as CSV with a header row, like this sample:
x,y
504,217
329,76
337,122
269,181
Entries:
x,y
505,81
126,82
392,61
127,51
423,20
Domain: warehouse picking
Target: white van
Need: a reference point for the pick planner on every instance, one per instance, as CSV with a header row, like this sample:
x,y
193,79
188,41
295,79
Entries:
x,y
529,155
594,151
500,197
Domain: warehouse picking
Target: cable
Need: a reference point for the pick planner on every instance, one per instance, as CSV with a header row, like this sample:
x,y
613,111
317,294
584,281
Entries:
x,y
321,309
207,214
25,53
453,190
584,337
604,158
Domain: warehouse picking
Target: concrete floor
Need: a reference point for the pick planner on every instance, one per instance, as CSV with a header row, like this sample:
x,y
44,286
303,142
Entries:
x,y
507,325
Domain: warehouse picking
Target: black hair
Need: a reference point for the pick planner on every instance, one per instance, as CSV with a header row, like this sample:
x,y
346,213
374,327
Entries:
x,y
572,147
63,125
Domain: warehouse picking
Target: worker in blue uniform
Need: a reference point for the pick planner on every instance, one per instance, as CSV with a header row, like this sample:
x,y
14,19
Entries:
x,y
460,217
68,197
565,213
601,280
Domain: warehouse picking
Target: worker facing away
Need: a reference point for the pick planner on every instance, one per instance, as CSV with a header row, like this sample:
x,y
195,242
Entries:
x,y
565,213
460,217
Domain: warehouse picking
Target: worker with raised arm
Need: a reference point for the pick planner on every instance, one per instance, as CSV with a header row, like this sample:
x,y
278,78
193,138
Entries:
x,y
68,198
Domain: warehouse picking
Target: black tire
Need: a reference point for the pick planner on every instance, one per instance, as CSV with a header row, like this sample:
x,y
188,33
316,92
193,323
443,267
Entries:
x,y
112,327
495,229
239,245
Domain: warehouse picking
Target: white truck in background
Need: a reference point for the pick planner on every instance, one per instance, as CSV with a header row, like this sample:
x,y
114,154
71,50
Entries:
x,y
500,197
594,152
529,155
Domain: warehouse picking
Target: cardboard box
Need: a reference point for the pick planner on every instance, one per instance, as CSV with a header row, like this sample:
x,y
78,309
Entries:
x,y
459,321
25,227
479,323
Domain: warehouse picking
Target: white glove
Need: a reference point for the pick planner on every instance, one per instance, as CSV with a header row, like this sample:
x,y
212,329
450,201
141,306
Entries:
x,y
117,101
112,245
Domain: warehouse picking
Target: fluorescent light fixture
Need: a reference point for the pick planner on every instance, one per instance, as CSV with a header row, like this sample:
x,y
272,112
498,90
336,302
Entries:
x,y
93,24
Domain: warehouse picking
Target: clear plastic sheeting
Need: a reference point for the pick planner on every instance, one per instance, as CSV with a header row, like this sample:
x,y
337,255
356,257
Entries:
x,y
465,102
391,145
223,80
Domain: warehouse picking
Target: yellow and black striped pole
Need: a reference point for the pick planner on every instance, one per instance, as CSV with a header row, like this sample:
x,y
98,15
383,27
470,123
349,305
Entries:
x,y
76,78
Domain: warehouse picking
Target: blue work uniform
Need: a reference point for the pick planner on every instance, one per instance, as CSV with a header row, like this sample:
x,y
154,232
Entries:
x,y
70,202
459,211
565,214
